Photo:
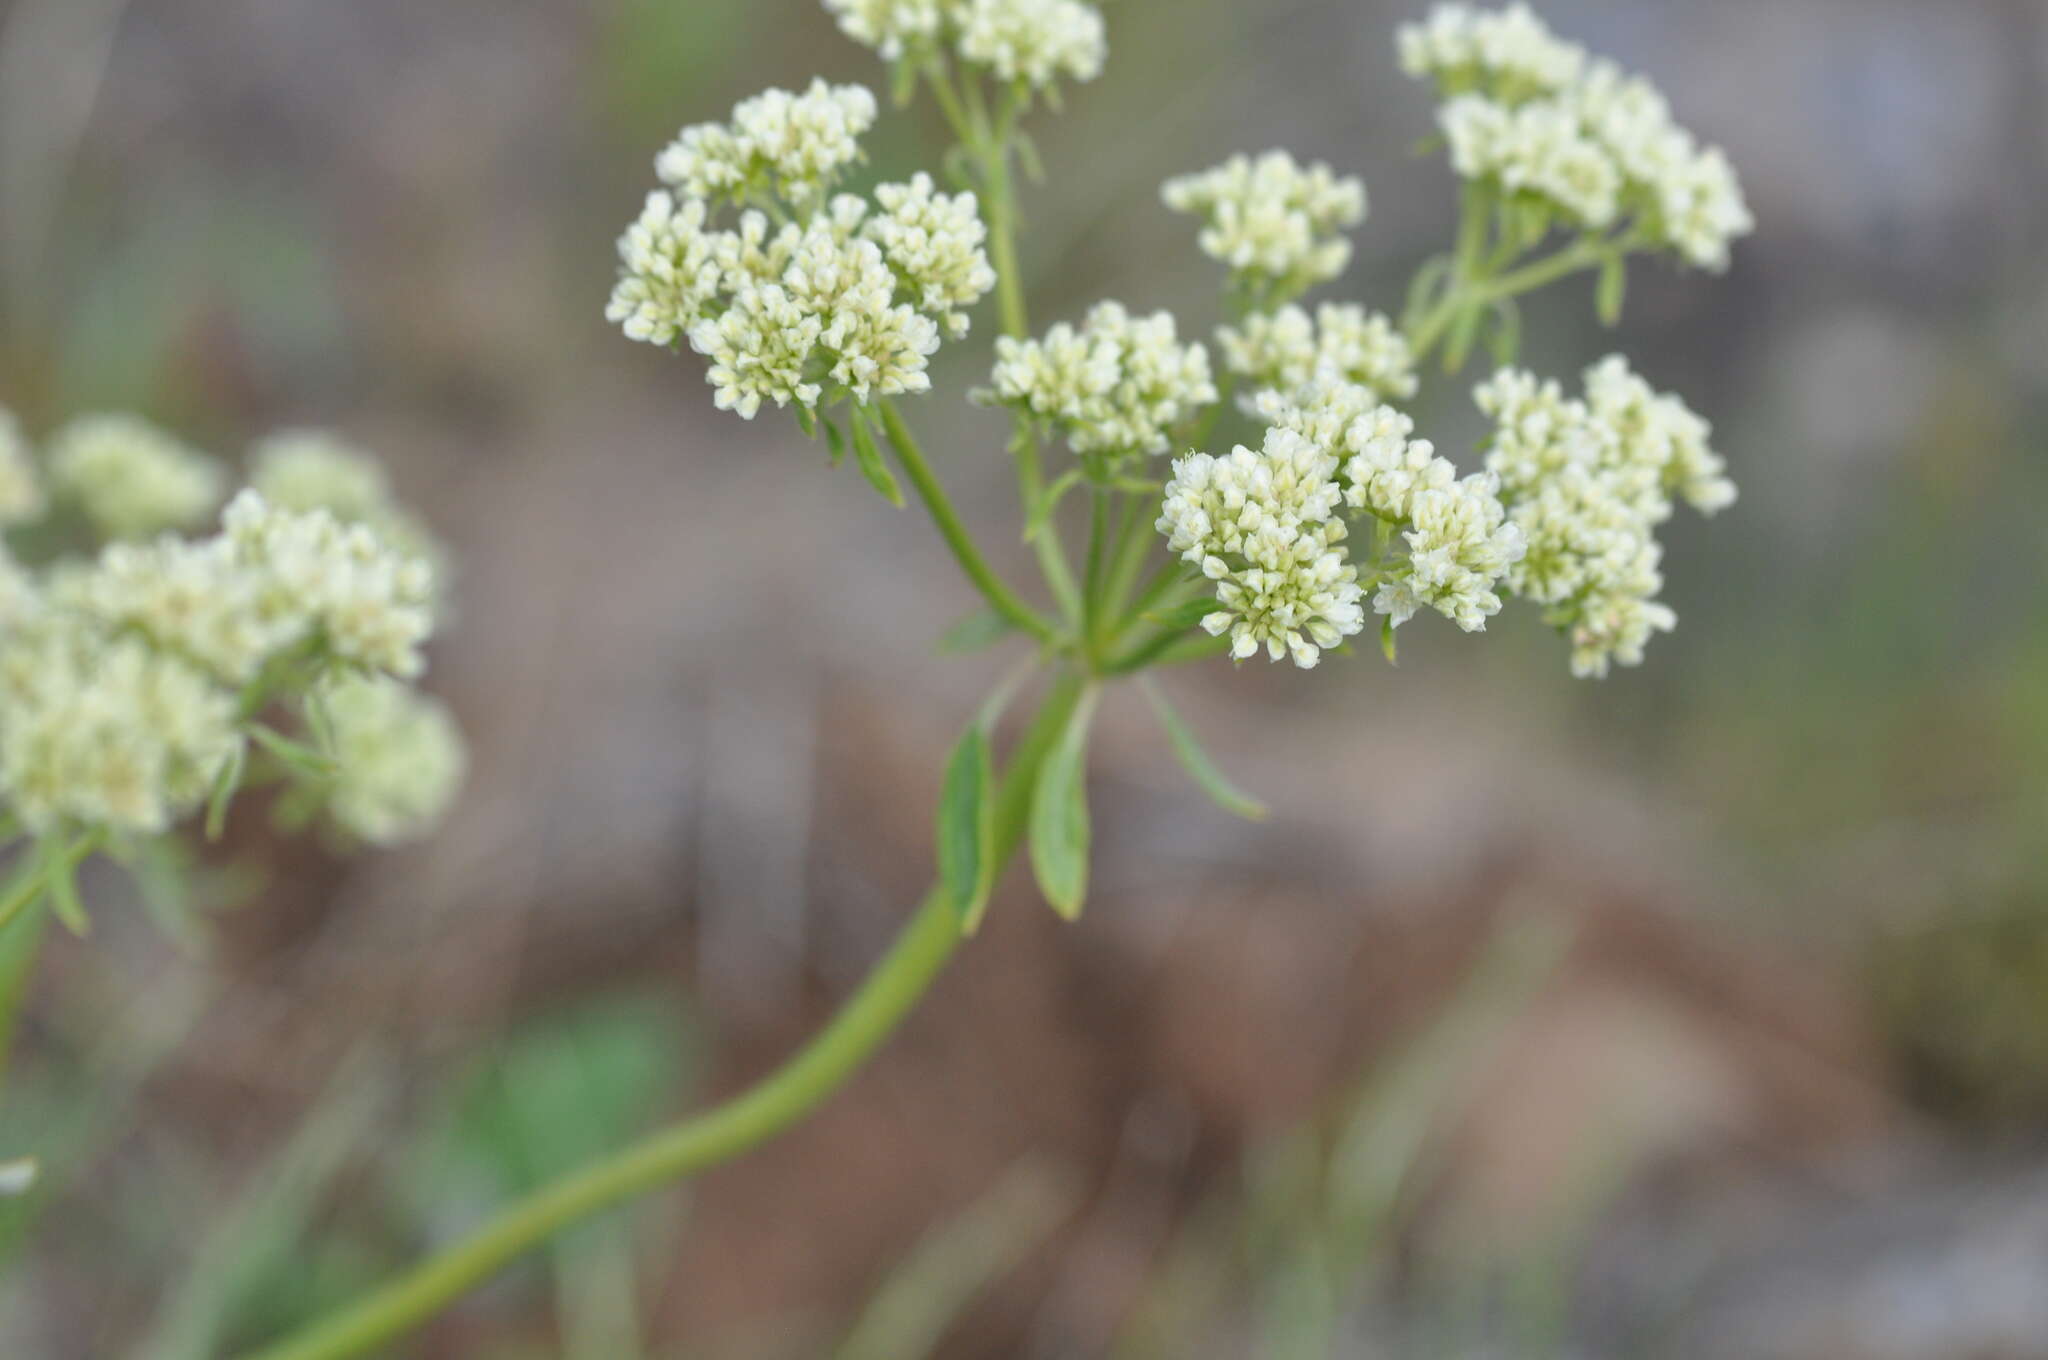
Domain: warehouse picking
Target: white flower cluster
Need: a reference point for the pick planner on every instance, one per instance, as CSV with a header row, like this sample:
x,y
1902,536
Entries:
x,y
1581,138
131,479
399,758
272,582
1509,52
1287,351
1458,539
1264,527
933,242
845,300
1274,222
306,470
103,730
1115,385
21,493
1034,42
1587,481
789,146
120,679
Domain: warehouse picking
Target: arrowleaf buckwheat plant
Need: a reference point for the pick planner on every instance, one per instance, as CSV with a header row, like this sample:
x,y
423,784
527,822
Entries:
x,y
1276,499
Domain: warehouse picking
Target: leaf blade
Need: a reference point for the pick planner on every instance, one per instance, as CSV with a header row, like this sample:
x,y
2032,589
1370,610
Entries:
x,y
869,456
966,829
1059,815
1197,762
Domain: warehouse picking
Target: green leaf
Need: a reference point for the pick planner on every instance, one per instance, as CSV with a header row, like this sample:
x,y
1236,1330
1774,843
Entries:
x,y
299,756
1387,639
872,467
983,628
1612,289
61,871
224,785
1028,158
903,82
1185,615
1458,345
1059,815
807,421
1504,340
835,441
1196,761
966,829
1423,288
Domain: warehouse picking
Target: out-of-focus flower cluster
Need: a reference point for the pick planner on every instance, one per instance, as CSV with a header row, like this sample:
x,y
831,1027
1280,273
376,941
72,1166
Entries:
x,y
1115,385
832,296
1029,42
1277,224
130,479
131,682
1573,139
1587,480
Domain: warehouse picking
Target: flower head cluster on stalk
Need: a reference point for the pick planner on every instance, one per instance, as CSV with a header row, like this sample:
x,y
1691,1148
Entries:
x,y
1276,224
809,297
1117,384
1587,480
1028,43
136,684
1571,139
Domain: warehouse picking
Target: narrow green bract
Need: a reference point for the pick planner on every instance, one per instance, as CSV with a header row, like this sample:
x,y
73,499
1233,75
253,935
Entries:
x,y
966,829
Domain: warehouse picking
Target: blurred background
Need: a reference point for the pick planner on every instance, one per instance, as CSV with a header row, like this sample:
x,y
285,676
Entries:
x,y
1702,1012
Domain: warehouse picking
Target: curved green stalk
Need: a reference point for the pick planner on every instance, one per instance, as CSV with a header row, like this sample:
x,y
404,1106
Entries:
x,y
868,1018
999,595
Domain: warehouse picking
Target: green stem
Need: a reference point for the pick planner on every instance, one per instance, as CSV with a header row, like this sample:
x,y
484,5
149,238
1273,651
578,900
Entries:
x,y
1047,543
998,594
869,1016
1093,604
1134,538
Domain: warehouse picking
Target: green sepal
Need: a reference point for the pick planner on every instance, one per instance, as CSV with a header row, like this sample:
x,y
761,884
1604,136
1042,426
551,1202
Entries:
x,y
966,829
1197,763
869,456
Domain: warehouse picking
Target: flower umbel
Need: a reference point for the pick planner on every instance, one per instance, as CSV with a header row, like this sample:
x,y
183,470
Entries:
x,y
1276,223
131,479
1587,482
1115,385
838,300
1572,138
1263,526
